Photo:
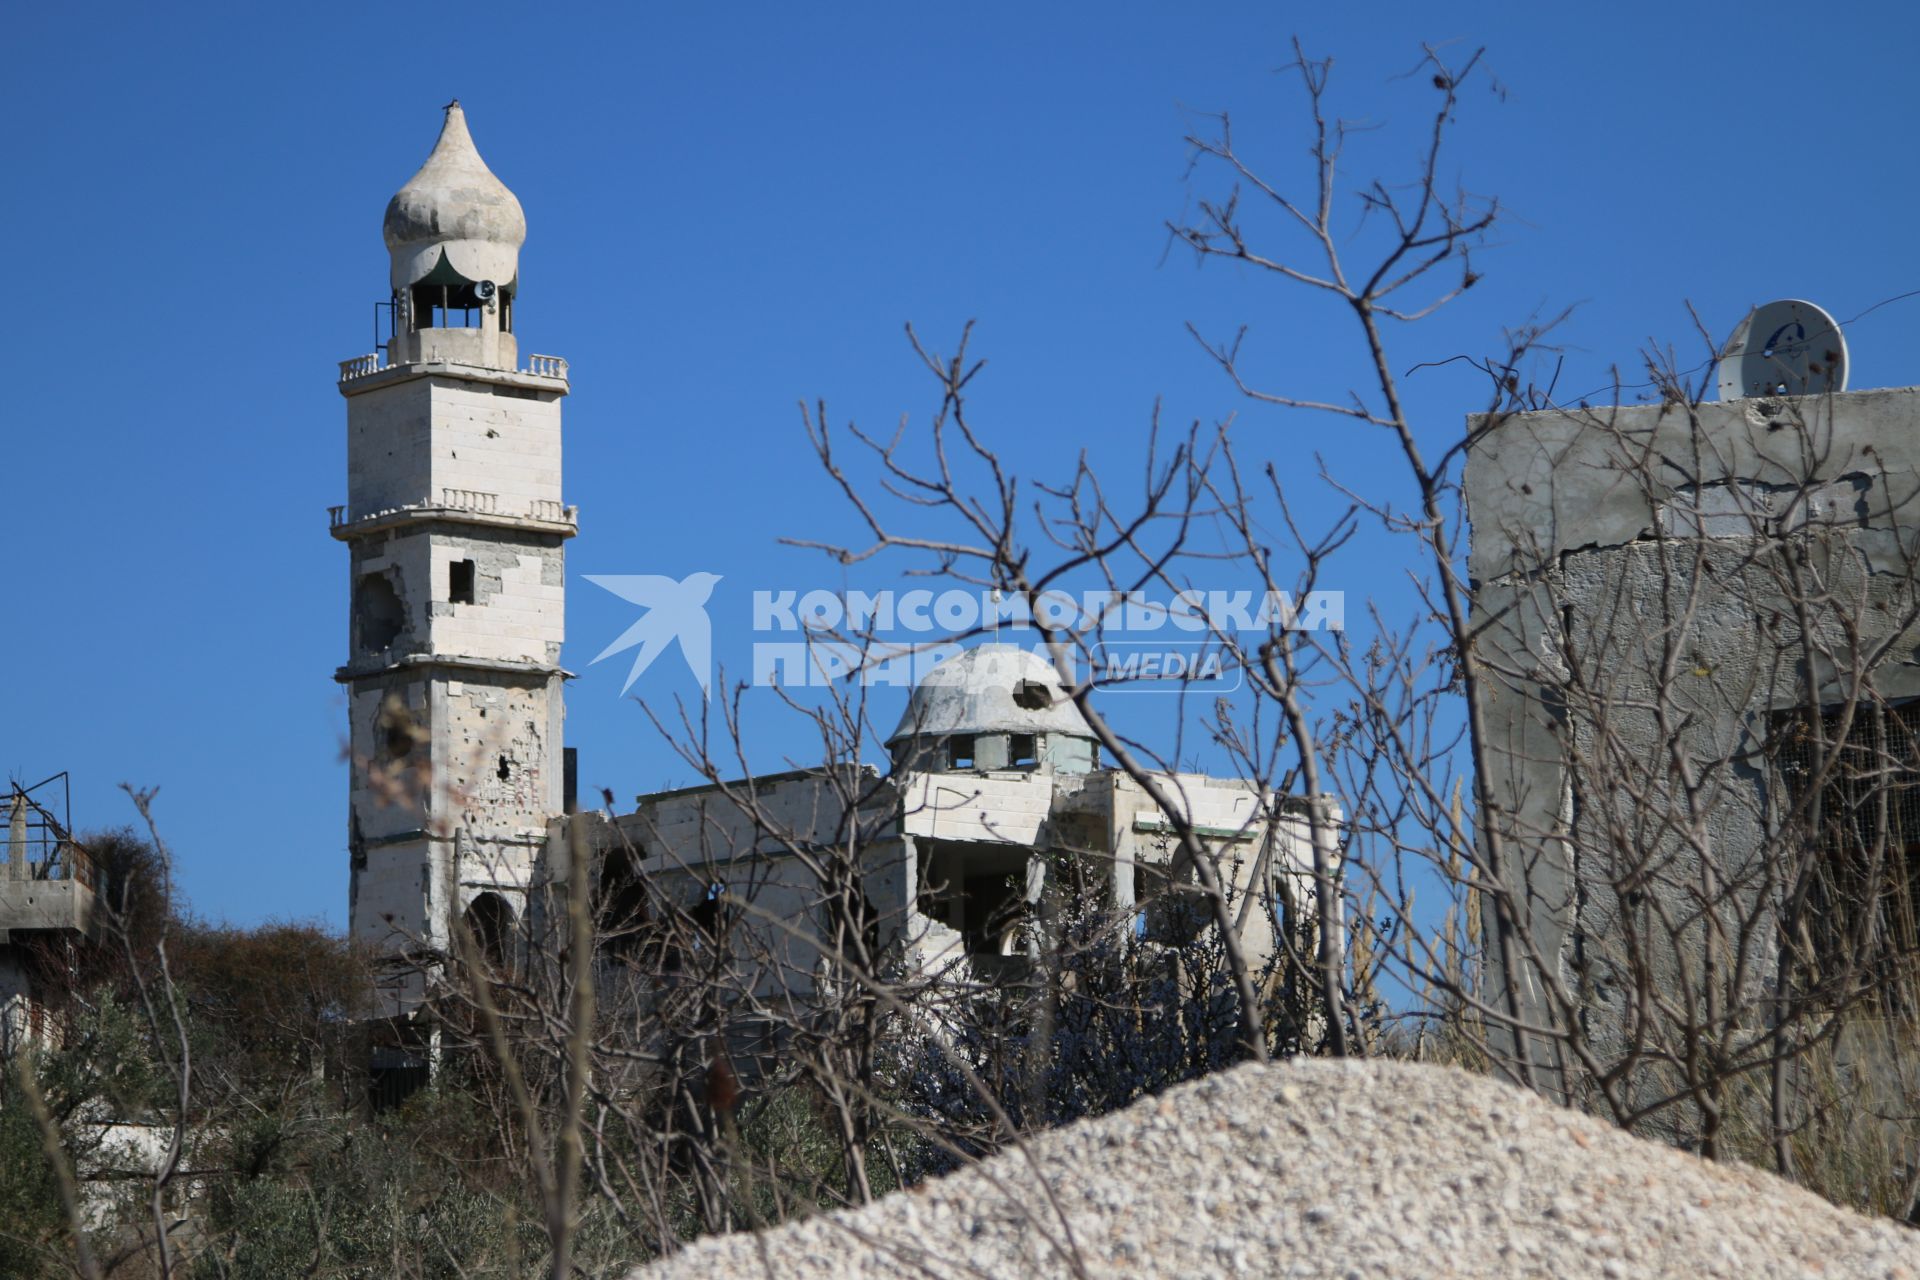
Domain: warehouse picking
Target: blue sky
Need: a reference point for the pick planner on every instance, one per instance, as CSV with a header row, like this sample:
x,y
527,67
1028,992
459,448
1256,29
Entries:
x,y
732,209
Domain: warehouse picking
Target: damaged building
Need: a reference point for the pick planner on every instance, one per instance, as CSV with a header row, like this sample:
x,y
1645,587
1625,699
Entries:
x,y
1701,695
461,789
995,819
456,531
47,912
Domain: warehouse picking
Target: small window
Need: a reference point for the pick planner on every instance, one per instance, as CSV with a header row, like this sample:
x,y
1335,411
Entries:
x,y
460,582
1021,749
960,751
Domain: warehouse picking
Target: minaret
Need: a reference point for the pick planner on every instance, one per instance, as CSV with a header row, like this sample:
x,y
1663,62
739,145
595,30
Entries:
x,y
457,530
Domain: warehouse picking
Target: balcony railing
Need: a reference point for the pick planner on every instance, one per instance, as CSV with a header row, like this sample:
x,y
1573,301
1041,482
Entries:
x,y
360,367
374,362
476,501
37,846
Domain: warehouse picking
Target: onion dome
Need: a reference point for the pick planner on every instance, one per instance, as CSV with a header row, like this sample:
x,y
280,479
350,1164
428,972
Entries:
x,y
453,222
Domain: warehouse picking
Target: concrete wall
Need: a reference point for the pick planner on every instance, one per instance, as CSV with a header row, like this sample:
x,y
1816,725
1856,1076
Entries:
x,y
703,843
470,804
925,837
413,435
398,891
45,904
1633,571
996,807
16,1003
518,613
457,720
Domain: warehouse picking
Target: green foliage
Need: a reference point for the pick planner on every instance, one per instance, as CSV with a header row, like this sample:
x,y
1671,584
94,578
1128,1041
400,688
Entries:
x,y
790,1134
32,1226
417,1193
101,1072
275,1001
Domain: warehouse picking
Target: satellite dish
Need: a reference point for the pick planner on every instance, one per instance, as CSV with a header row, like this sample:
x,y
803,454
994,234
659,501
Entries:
x,y
485,290
1784,348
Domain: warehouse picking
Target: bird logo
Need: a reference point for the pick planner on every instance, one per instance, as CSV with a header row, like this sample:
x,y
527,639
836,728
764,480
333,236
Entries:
x,y
674,611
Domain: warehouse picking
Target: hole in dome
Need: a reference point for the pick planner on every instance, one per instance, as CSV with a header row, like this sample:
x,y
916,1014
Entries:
x,y
1031,695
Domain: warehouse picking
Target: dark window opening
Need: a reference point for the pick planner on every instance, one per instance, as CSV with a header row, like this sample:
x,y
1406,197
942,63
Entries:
x,y
980,892
505,771
960,751
401,733
870,934
621,913
378,615
996,910
1863,913
1022,750
699,932
396,1074
460,576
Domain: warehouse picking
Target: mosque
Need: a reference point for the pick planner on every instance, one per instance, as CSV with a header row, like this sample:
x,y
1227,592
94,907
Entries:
x,y
461,803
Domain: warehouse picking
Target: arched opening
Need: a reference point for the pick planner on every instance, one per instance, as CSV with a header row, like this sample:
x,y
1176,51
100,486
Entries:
x,y
490,922
620,907
445,301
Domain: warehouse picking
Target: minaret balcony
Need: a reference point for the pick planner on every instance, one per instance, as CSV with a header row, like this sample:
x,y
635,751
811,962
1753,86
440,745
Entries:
x,y
462,506
374,367
46,884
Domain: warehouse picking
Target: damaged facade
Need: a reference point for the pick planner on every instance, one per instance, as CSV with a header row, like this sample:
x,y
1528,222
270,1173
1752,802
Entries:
x,y
47,887
995,820
461,790
457,529
1676,601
